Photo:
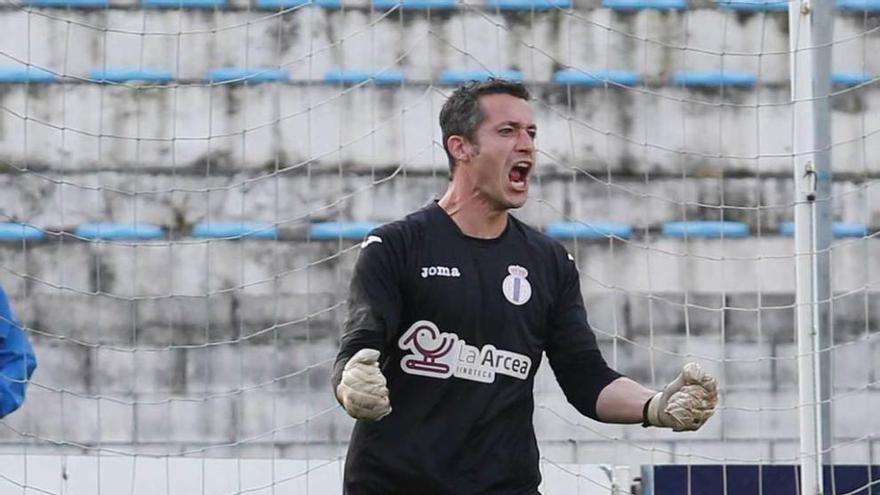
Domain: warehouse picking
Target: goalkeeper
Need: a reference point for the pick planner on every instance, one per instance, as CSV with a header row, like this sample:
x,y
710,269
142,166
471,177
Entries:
x,y
450,312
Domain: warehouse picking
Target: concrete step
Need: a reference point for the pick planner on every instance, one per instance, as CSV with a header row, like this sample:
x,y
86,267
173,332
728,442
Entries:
x,y
266,127
173,475
208,268
290,200
254,397
191,293
310,41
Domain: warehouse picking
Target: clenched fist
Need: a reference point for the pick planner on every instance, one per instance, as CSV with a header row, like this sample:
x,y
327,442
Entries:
x,y
686,403
363,390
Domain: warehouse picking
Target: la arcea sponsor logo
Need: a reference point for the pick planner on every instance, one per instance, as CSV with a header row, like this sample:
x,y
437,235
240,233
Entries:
x,y
439,354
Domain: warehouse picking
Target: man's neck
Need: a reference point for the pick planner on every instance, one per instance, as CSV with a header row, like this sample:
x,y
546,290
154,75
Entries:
x,y
472,213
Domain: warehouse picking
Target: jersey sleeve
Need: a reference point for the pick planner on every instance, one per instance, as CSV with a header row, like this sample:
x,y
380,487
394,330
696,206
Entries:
x,y
17,360
572,350
374,298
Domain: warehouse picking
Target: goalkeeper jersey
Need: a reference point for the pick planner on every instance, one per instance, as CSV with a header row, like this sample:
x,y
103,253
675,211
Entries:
x,y
462,324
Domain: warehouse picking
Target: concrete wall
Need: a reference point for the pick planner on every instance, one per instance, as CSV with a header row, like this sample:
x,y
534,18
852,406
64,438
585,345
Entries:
x,y
144,476
309,41
653,128
292,199
223,348
669,130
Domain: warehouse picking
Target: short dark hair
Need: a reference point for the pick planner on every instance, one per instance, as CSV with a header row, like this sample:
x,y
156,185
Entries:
x,y
461,114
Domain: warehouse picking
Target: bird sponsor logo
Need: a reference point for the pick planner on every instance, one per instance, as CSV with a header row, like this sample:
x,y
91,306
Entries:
x,y
439,354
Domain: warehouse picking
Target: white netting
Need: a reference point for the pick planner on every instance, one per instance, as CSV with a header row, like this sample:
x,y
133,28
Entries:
x,y
197,360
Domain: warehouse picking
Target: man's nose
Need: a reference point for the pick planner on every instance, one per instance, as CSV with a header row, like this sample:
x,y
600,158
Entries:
x,y
525,142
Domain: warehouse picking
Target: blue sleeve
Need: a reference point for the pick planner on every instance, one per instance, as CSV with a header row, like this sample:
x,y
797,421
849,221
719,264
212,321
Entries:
x,y
17,360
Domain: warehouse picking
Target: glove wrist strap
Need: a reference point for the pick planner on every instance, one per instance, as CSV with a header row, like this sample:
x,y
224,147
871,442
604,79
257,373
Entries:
x,y
645,422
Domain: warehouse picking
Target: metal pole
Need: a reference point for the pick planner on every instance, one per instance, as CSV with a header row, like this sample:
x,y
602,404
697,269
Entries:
x,y
810,36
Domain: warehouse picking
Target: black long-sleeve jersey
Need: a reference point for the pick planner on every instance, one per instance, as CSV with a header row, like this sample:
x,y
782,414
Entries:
x,y
462,324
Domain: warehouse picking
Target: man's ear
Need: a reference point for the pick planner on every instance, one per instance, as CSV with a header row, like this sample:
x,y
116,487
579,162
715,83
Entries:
x,y
459,148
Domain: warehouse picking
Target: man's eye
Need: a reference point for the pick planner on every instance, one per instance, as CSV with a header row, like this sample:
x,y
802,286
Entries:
x,y
506,130
533,134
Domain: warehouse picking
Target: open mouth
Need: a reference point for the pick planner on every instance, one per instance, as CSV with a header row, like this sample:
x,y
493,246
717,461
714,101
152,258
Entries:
x,y
519,175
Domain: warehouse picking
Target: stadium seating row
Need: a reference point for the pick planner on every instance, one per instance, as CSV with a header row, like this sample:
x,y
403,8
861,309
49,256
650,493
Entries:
x,y
566,77
358,230
504,5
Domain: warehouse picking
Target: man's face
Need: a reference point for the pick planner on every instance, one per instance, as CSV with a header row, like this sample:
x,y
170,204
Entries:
x,y
505,151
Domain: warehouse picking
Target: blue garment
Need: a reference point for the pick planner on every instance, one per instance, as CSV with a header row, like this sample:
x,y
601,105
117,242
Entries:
x,y
17,360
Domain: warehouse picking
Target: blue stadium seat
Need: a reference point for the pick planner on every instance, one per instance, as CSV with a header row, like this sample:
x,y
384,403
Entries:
x,y
289,4
714,79
185,4
354,76
754,5
645,4
842,229
588,230
786,229
455,77
235,230
124,74
26,74
528,5
247,75
859,5
838,229
594,78
341,230
850,78
20,232
415,4
118,231
703,228
74,4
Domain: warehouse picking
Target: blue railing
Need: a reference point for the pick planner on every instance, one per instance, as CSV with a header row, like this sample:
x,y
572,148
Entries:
x,y
319,231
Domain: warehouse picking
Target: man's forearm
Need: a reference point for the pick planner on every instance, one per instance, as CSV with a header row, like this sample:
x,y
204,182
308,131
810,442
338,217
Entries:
x,y
622,401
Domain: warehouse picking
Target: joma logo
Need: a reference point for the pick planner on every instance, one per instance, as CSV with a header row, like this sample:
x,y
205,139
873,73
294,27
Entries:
x,y
440,271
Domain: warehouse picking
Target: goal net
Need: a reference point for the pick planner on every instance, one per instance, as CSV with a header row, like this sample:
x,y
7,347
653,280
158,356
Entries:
x,y
185,184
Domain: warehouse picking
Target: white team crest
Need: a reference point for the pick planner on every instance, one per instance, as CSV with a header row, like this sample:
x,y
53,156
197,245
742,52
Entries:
x,y
516,288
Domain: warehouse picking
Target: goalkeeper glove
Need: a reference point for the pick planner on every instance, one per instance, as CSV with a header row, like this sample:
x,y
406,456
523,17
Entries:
x,y
686,403
363,390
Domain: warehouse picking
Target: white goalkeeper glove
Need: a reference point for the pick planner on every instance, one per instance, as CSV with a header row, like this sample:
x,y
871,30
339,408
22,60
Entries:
x,y
686,403
363,390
